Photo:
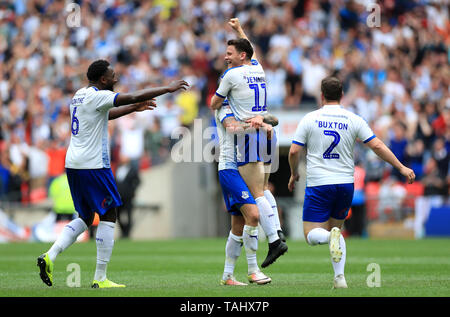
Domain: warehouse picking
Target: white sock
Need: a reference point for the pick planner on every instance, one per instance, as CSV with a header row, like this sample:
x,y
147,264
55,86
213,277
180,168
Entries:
x,y
273,204
318,236
266,218
67,237
105,243
232,252
250,239
339,267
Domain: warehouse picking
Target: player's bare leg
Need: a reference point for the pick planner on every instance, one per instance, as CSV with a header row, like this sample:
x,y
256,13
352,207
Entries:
x,y
329,232
254,176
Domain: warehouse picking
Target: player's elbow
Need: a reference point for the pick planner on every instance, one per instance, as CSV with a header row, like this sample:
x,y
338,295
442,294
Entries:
x,y
376,145
294,150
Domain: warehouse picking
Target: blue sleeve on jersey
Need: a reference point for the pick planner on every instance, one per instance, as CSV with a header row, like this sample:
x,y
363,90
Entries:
x,y
373,136
298,143
115,97
220,95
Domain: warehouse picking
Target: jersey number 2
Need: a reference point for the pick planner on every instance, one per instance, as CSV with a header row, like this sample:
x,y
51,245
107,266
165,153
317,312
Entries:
x,y
327,154
257,107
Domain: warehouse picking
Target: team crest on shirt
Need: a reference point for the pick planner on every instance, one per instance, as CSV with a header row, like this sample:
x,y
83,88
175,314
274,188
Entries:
x,y
245,194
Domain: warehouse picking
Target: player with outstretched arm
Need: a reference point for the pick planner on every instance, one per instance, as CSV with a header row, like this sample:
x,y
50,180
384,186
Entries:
x,y
329,135
89,174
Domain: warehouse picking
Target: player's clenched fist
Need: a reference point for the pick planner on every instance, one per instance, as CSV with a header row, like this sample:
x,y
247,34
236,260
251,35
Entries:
x,y
409,174
234,23
178,84
292,180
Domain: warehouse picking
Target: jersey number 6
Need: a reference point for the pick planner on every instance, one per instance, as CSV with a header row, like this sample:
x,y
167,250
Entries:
x,y
75,122
327,154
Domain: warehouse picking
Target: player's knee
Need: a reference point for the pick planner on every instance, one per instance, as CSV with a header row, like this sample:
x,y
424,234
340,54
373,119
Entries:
x,y
88,220
110,215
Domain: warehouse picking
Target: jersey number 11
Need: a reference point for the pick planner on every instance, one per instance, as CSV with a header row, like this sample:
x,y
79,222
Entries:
x,y
257,106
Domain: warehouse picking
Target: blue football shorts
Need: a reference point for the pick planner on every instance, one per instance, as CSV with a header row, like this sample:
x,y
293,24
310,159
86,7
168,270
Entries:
x,y
93,190
255,147
323,202
235,191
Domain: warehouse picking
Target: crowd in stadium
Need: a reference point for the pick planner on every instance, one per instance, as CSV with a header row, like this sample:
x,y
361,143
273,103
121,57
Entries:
x,y
396,76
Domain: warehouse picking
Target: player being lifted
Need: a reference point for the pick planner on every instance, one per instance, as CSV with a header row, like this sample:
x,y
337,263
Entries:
x,y
329,136
238,200
243,84
89,174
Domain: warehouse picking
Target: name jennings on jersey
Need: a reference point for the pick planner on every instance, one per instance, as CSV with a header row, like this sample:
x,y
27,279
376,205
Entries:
x,y
246,90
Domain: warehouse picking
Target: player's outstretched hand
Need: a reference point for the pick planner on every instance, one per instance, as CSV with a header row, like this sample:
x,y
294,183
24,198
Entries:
x,y
292,180
178,84
234,23
408,173
145,105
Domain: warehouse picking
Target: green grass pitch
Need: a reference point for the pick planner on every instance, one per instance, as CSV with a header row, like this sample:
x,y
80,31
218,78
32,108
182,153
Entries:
x,y
193,268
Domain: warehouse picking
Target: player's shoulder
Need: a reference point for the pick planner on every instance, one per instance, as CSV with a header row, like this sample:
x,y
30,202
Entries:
x,y
232,71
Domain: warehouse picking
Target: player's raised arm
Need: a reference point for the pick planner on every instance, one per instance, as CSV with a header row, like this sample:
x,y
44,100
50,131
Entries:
x,y
236,26
386,155
149,93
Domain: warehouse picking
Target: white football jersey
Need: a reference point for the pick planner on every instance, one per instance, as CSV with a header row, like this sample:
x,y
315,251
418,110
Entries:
x,y
329,135
89,143
227,156
245,88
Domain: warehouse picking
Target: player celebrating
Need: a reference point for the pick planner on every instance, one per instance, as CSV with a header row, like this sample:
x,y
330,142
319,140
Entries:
x,y
329,135
89,174
244,86
239,202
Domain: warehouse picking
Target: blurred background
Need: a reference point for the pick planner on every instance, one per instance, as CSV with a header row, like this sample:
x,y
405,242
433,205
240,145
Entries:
x,y
396,76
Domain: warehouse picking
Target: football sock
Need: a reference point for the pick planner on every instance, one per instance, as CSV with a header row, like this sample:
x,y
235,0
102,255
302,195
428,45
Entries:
x,y
105,243
266,219
232,252
339,267
67,237
318,236
250,239
273,204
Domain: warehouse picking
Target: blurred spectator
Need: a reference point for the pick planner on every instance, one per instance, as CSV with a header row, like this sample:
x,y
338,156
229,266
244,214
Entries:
x,y
433,182
398,144
127,177
395,74
355,224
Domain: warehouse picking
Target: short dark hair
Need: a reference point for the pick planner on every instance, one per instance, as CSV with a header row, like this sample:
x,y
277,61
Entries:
x,y
331,88
97,69
242,45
